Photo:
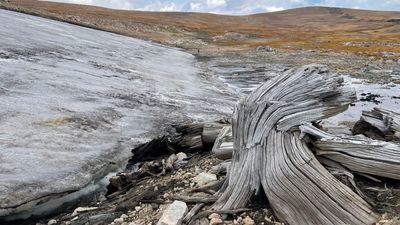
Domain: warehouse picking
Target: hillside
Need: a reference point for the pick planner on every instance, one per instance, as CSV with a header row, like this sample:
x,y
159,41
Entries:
x,y
322,28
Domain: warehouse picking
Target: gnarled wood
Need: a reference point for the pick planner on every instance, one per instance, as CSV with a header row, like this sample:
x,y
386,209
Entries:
x,y
268,155
360,154
223,146
388,122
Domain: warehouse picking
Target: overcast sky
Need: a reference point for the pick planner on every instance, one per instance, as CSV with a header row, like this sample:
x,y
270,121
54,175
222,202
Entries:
x,y
236,6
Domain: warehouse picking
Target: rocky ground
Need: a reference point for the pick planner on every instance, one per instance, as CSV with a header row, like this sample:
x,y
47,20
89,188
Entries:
x,y
149,191
162,190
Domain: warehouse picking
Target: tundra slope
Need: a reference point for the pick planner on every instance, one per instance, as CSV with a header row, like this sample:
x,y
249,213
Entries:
x,y
73,100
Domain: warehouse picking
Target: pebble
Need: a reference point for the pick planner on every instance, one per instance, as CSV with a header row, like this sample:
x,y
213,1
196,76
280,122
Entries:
x,y
205,178
118,220
216,221
124,216
52,222
248,221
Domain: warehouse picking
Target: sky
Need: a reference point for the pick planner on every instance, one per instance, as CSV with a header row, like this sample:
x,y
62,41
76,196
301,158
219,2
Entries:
x,y
236,7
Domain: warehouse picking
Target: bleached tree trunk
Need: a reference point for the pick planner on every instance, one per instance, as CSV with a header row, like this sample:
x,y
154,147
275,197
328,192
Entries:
x,y
269,154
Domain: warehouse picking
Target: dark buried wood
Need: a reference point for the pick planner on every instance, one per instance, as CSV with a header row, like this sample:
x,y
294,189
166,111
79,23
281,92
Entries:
x,y
268,153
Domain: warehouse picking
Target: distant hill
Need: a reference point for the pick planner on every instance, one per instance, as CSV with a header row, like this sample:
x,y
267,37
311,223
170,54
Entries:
x,y
322,28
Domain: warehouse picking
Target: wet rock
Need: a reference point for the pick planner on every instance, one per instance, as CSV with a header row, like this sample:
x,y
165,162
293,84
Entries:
x,y
82,209
205,178
174,214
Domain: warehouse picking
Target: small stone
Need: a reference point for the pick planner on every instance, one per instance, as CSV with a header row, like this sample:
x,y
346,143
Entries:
x,y
216,221
118,220
181,156
137,208
124,223
174,214
214,215
75,218
204,178
166,196
124,216
248,221
52,222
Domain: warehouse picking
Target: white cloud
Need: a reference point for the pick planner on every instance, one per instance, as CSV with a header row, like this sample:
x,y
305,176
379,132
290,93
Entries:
x,y
273,8
160,6
207,6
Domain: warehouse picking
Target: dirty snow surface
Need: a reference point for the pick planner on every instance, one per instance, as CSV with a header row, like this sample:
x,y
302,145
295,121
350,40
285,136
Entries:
x,y
73,100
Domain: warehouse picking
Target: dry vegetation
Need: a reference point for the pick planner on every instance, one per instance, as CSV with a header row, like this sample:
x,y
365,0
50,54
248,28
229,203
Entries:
x,y
325,29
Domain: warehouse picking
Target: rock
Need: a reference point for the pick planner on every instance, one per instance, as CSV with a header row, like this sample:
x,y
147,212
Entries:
x,y
204,178
214,215
124,216
181,156
118,220
52,222
220,168
248,221
174,214
82,209
169,164
216,221
180,160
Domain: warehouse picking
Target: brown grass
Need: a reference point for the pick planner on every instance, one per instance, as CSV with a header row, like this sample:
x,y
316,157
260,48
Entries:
x,y
325,29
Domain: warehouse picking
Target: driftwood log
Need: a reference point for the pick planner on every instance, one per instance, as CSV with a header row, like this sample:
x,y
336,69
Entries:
x,y
358,153
223,146
387,122
269,155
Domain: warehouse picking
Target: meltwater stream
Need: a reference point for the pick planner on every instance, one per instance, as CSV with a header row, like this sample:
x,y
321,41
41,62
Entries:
x,y
73,100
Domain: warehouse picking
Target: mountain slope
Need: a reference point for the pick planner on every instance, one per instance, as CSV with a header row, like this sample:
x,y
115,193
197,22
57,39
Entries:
x,y
321,28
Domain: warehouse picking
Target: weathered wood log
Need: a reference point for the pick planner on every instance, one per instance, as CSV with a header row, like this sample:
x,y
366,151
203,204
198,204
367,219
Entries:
x,y
210,132
357,153
269,155
223,146
387,122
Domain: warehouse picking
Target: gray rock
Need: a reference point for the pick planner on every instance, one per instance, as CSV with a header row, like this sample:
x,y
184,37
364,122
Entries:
x,y
180,160
174,214
204,178
52,222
